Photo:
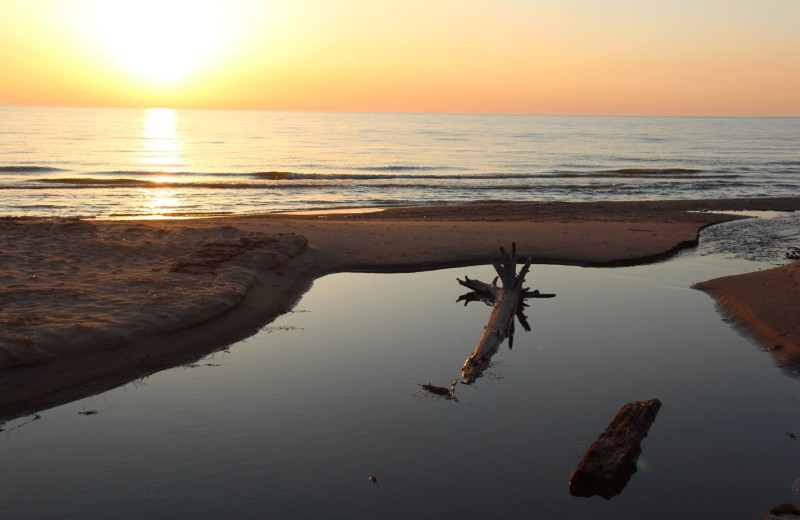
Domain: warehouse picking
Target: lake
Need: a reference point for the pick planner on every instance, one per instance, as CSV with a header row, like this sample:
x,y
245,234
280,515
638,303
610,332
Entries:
x,y
131,163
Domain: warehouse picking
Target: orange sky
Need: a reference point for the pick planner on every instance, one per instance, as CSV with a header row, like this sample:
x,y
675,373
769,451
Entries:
x,y
649,57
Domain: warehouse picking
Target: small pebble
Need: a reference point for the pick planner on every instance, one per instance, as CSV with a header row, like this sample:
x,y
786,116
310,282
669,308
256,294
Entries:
x,y
373,479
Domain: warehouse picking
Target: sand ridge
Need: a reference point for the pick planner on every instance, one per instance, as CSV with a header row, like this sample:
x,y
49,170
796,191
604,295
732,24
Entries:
x,y
71,287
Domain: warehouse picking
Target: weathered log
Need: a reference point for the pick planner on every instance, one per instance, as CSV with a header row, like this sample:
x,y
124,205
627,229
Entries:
x,y
611,460
507,302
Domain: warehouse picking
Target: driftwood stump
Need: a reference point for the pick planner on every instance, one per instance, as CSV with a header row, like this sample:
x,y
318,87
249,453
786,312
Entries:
x,y
507,301
610,461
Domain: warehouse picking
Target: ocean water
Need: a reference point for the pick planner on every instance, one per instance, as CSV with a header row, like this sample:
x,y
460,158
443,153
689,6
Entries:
x,y
162,162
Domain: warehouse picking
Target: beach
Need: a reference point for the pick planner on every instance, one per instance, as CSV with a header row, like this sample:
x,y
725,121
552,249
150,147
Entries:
x,y
764,305
89,305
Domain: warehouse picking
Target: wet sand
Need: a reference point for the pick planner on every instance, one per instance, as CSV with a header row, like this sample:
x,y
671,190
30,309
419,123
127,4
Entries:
x,y
764,305
89,305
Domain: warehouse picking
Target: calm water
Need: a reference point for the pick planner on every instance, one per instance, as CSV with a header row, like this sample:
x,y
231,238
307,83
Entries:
x,y
290,423
110,162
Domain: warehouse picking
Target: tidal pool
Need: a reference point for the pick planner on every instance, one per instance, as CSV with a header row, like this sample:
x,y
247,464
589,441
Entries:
x,y
292,422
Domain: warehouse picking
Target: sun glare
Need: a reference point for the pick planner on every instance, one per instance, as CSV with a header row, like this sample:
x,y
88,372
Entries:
x,y
161,41
161,149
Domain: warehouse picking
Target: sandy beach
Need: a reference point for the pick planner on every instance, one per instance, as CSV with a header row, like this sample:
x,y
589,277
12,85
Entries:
x,y
89,305
765,305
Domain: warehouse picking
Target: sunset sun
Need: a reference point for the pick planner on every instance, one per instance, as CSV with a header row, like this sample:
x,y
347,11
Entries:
x,y
157,41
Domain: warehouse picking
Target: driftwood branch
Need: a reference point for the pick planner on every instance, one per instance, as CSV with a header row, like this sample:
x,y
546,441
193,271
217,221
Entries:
x,y
507,303
489,290
610,461
523,320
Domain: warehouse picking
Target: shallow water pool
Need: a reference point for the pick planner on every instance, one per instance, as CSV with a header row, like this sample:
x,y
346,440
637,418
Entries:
x,y
291,422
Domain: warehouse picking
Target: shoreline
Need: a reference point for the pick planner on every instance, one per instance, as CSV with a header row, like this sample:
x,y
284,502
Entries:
x,y
245,270
764,305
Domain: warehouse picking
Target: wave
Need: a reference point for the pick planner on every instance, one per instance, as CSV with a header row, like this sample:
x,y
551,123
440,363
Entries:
x,y
145,172
289,180
281,175
781,163
665,174
510,185
362,176
174,214
85,182
377,173
29,169
275,176
406,177
103,182
654,171
621,173
401,168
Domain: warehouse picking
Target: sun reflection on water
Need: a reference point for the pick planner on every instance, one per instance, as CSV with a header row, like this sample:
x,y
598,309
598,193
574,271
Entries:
x,y
161,148
156,200
161,155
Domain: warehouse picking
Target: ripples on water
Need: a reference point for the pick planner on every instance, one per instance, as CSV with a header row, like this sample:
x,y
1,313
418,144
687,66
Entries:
x,y
112,162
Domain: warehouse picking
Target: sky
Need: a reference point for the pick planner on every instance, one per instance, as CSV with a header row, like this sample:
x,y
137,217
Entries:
x,y
625,57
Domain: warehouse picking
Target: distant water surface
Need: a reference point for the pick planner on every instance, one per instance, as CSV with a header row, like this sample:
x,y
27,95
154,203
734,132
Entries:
x,y
135,163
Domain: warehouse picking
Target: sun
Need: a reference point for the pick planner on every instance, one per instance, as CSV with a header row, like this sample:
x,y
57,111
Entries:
x,y
160,41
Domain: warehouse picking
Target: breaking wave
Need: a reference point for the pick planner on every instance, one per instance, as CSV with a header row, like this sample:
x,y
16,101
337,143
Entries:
x,y
29,169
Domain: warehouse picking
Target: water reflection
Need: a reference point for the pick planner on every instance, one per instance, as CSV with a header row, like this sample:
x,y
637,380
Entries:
x,y
159,200
161,148
160,156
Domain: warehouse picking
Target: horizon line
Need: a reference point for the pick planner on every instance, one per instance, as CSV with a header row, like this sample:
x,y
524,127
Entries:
x,y
399,112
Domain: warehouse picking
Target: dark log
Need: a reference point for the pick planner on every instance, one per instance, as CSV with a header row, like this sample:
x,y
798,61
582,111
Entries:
x,y
447,393
435,389
610,461
783,511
